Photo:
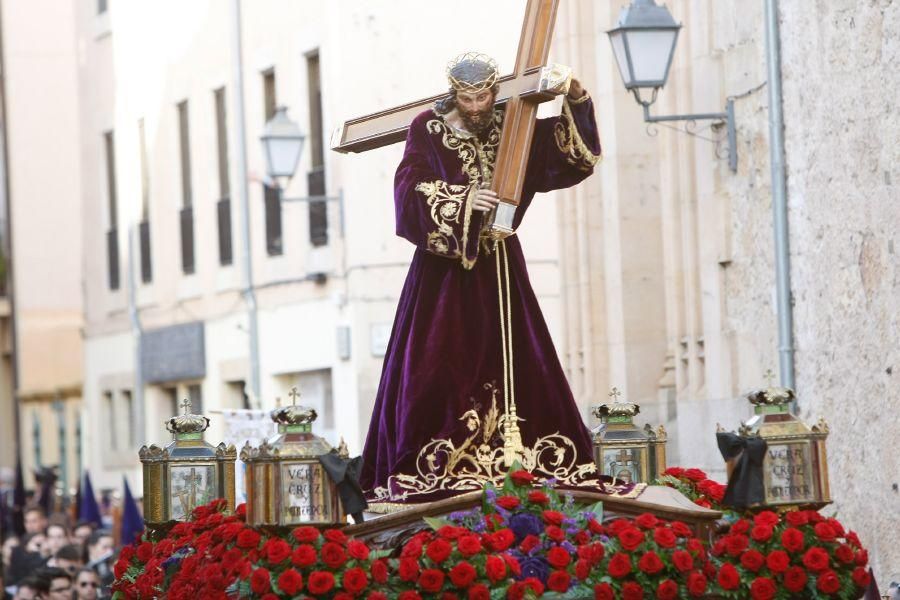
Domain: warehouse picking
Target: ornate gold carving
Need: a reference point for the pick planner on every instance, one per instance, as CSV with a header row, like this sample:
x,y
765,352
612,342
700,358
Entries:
x,y
442,465
569,141
187,423
152,453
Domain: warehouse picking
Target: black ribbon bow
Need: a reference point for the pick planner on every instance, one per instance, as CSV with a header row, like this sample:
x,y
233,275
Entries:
x,y
745,484
344,472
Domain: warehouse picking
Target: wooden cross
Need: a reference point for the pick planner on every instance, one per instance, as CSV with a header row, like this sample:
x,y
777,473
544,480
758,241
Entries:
x,y
532,82
294,394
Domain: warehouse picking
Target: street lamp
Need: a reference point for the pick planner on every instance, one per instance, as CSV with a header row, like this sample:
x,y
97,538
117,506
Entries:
x,y
282,143
643,43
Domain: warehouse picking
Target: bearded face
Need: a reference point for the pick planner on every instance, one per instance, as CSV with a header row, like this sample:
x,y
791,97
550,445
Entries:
x,y
476,111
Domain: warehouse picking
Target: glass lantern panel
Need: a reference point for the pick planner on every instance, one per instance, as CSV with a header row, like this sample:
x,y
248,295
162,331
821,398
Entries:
x,y
624,463
304,498
650,55
282,155
190,486
618,43
789,474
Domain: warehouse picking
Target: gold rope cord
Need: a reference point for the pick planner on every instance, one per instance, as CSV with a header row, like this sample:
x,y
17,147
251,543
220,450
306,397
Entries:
x,y
513,449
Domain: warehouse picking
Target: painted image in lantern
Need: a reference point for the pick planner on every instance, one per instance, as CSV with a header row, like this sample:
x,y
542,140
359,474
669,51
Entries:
x,y
190,487
302,493
787,468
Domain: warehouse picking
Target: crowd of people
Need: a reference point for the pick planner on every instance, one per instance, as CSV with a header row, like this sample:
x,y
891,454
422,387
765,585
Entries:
x,y
56,561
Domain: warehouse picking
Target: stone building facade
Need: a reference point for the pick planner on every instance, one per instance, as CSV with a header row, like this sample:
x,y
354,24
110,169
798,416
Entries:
x,y
667,257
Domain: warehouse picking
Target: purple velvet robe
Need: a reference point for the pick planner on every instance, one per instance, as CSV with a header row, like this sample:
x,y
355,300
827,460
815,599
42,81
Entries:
x,y
437,424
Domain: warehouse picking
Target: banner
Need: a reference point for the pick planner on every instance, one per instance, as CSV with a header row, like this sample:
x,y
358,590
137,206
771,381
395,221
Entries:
x,y
242,426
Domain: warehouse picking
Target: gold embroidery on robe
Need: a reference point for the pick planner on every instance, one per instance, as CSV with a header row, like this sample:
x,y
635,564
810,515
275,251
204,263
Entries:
x,y
447,204
569,140
442,465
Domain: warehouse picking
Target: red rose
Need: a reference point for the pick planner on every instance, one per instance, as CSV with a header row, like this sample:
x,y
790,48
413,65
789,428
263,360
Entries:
x,y
603,591
469,545
290,582
651,563
555,533
305,534
333,555
792,540
248,539
259,581
683,560
740,526
304,555
816,559
408,569
462,575
495,568
596,527
528,544
534,584
409,595
376,596
728,577
582,537
736,544
861,577
778,561
753,560
696,584
379,571
508,502
695,475
582,568
861,558
538,497
632,591
479,591
277,551
357,550
320,582
795,579
796,518
355,580
717,492
521,477
449,532
646,521
680,529
844,553
825,532
269,596
431,580
595,553
762,588
619,565
557,557
144,552
766,517
761,533
828,583
412,549
631,538
853,539
438,550
336,535
558,581
501,540
664,537
836,525
552,517
667,590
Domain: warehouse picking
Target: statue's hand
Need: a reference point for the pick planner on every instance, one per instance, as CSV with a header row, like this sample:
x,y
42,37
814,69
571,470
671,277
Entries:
x,y
576,90
485,200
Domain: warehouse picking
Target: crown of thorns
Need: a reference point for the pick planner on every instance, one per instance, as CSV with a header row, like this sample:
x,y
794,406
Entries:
x,y
472,72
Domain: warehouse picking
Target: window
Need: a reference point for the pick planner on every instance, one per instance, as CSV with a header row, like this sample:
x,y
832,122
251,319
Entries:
x,y
186,215
318,213
131,425
110,408
112,234
274,244
101,6
195,395
144,225
223,206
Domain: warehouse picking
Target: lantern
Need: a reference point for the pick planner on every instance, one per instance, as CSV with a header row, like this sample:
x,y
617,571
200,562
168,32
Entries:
x,y
286,483
187,473
623,450
795,467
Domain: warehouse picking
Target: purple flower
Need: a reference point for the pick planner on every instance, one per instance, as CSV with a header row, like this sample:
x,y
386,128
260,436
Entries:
x,y
569,547
533,566
523,524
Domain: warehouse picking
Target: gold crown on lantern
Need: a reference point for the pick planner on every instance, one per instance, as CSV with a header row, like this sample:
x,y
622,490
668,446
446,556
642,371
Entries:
x,y
616,408
472,72
294,415
187,422
772,395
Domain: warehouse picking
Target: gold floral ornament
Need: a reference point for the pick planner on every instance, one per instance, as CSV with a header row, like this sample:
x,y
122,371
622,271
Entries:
x,y
472,72
569,140
444,466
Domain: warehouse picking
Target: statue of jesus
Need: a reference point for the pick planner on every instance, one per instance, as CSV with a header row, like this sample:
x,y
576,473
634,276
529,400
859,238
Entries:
x,y
471,382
